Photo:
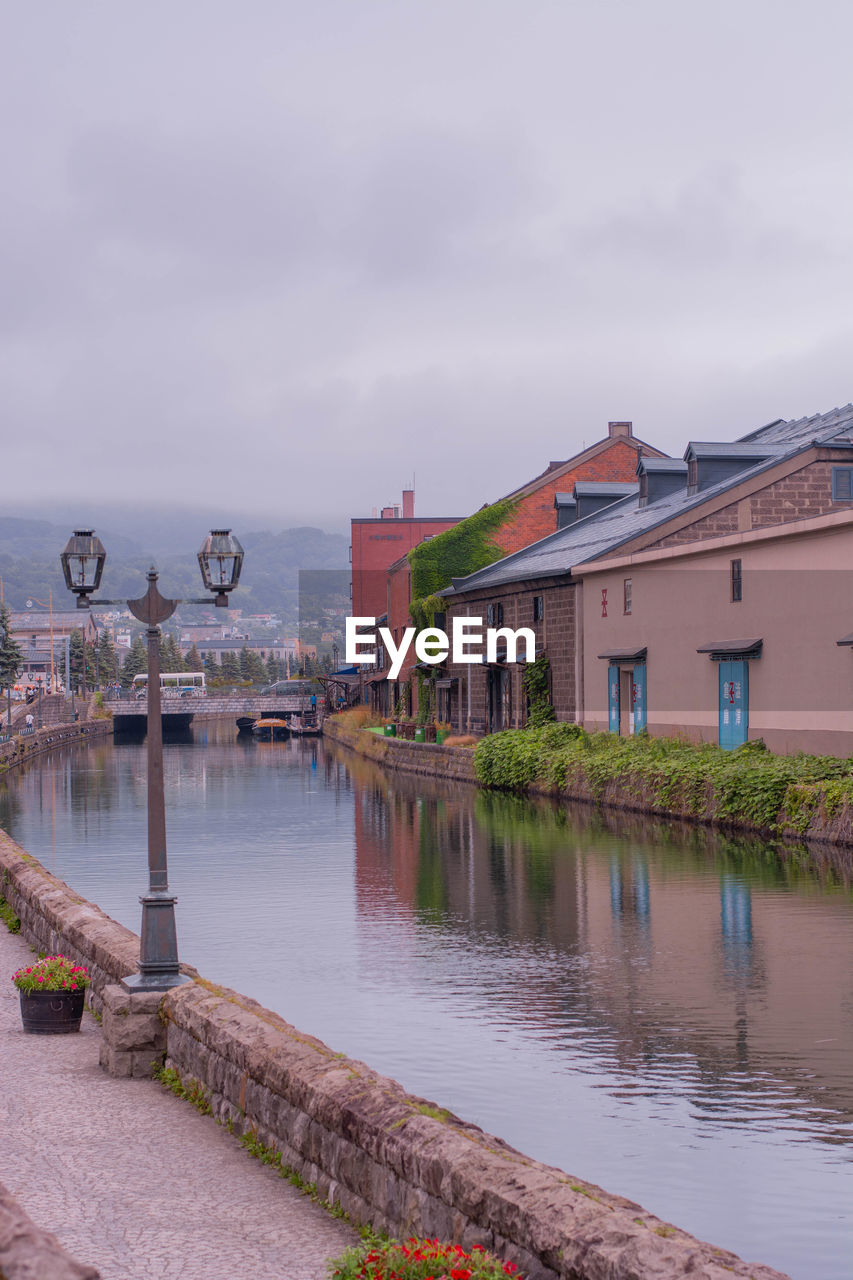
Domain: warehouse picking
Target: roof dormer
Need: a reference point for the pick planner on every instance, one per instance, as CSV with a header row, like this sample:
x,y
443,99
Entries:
x,y
659,477
593,495
710,463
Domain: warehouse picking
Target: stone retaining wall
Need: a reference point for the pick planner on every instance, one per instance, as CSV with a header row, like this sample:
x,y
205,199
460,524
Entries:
x,y
387,1157
24,747
455,763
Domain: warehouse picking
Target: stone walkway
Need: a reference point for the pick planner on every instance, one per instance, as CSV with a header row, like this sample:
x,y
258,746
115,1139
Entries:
x,y
131,1179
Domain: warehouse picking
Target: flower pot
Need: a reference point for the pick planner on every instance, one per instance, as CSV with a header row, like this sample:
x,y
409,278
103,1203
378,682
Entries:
x,y
46,1013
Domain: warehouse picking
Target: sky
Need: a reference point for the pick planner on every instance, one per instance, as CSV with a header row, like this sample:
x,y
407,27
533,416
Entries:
x,y
284,258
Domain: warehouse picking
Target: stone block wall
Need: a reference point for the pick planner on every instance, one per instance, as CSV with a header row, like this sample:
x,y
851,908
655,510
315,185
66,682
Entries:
x,y
405,1165
454,763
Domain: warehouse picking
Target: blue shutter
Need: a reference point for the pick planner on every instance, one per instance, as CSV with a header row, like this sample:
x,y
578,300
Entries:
x,y
734,703
639,697
613,698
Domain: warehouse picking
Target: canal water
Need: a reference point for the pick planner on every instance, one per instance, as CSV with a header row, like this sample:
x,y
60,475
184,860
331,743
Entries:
x,y
663,1011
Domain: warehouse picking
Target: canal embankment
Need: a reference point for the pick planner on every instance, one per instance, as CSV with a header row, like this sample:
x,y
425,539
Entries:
x,y
22,747
397,1161
801,798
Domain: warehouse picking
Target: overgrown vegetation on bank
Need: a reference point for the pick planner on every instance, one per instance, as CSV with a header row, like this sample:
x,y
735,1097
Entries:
x,y
748,784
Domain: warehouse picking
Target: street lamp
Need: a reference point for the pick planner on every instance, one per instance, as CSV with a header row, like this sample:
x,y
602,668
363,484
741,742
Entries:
x,y
221,559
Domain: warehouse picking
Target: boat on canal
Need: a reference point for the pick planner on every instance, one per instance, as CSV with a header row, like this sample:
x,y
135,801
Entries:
x,y
271,729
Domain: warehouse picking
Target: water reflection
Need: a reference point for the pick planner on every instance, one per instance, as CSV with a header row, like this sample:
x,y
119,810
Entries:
x,y
660,1009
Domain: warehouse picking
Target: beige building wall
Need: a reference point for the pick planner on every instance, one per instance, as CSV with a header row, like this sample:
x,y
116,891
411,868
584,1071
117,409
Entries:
x,y
797,597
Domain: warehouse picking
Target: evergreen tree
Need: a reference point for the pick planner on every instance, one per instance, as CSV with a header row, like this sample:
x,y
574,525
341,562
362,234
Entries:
x,y
256,668
274,669
211,665
107,662
244,664
193,659
230,665
76,649
11,654
170,654
136,662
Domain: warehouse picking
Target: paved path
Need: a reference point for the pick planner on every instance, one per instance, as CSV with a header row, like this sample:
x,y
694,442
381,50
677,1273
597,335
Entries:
x,y
131,1179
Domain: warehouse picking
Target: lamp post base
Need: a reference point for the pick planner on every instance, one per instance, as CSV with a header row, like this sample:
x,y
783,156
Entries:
x,y
158,950
162,981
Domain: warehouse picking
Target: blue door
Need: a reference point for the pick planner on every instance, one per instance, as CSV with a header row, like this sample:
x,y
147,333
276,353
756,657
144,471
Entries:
x,y
613,698
734,703
638,697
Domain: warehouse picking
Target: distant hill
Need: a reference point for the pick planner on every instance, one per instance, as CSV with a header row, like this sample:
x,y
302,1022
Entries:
x,y
30,568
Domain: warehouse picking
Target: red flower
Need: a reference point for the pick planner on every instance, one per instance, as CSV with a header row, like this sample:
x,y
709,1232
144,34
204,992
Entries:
x,y
461,1273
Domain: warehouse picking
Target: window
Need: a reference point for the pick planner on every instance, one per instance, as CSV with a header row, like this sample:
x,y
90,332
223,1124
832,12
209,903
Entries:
x,y
737,581
626,596
538,608
842,484
495,615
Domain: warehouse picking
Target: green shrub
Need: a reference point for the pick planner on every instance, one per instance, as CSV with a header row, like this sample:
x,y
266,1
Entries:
x,y
748,784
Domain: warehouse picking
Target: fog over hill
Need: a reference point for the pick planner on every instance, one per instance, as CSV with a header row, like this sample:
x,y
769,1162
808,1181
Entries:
x,y
135,538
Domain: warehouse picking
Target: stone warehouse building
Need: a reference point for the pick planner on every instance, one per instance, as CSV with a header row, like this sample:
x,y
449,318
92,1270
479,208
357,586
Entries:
x,y
565,491
715,601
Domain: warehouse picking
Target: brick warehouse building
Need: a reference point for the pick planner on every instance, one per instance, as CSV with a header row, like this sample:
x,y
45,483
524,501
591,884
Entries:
x,y
767,513
377,541
604,471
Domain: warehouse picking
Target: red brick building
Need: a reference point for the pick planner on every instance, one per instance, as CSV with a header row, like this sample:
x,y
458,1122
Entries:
x,y
377,541
725,573
606,471
537,511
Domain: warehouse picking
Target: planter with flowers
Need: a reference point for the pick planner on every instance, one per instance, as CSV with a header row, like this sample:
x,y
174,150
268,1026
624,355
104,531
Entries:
x,y
52,993
417,1259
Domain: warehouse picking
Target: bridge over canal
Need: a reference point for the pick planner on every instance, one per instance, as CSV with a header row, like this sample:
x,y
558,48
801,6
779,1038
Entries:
x,y
131,714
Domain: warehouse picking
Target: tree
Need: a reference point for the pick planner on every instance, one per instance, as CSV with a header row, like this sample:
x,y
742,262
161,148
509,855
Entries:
x,y
193,659
107,659
170,654
11,654
274,671
230,664
76,649
211,665
244,664
256,668
135,663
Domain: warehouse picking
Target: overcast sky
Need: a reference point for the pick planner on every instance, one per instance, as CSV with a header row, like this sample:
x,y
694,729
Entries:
x,y
285,255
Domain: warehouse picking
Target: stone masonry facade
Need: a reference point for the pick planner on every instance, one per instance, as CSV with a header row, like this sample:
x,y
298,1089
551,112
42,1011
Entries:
x,y
555,634
805,492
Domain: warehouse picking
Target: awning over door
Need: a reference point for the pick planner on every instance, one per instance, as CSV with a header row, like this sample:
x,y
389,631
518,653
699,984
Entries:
x,y
731,650
615,656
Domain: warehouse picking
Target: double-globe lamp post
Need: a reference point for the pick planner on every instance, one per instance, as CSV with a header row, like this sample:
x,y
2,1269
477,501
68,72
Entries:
x,y
220,560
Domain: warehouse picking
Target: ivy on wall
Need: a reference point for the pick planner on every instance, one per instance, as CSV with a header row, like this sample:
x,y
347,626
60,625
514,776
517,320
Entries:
x,y
464,549
537,686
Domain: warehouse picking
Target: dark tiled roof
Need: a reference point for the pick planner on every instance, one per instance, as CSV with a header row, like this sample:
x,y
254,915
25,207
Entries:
x,y
625,520
660,465
604,488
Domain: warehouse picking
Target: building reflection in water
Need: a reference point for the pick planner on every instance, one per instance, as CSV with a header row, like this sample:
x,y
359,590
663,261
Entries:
x,y
644,942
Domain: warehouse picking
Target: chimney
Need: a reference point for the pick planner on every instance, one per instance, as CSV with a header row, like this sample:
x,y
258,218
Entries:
x,y
408,504
388,513
620,429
